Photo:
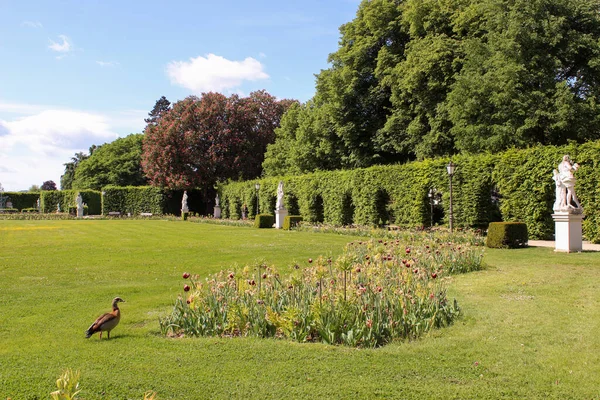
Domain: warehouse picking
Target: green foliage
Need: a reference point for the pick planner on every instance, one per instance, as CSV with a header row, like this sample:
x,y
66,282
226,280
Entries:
x,y
21,200
68,386
291,221
117,163
373,293
426,78
507,235
264,221
184,216
133,199
50,199
515,185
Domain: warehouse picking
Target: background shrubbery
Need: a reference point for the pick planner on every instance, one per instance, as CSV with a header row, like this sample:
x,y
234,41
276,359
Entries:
x,y
515,185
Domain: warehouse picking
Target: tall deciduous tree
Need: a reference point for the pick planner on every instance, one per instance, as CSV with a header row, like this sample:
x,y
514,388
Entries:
x,y
202,140
48,185
66,179
421,78
116,163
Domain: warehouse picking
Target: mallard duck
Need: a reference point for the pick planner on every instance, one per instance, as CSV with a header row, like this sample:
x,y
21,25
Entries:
x,y
106,322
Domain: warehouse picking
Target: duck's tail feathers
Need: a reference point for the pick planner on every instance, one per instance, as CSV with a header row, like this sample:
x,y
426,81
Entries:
x,y
90,332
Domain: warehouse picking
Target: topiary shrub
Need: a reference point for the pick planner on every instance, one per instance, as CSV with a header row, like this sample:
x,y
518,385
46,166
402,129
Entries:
x,y
502,235
184,216
264,221
29,210
291,221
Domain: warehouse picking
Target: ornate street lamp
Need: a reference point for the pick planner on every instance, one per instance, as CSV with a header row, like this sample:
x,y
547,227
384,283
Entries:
x,y
450,168
257,187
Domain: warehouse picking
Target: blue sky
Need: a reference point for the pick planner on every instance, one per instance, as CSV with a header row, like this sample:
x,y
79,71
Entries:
x,y
77,73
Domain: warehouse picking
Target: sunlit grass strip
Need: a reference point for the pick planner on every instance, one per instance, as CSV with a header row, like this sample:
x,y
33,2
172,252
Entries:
x,y
375,292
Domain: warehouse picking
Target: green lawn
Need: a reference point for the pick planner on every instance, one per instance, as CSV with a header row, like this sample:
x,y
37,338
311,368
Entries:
x,y
529,330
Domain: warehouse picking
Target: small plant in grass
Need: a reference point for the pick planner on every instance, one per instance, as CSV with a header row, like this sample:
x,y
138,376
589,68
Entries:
x,y
376,291
68,386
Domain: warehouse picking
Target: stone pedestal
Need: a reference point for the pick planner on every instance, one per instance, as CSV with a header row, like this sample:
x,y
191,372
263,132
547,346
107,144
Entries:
x,y
567,232
279,217
217,212
79,212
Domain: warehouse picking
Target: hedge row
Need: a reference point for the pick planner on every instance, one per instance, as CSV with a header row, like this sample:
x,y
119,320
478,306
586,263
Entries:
x,y
20,200
515,185
147,199
50,199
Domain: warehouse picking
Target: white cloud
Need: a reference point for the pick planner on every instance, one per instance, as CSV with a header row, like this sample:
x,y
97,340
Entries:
x,y
32,24
34,148
214,73
63,47
107,63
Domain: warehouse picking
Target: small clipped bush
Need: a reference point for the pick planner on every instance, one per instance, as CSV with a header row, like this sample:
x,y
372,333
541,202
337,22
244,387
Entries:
x,y
291,221
9,210
264,221
29,210
184,216
502,235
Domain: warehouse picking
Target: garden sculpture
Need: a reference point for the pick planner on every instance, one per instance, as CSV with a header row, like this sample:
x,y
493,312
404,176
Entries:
x,y
184,205
106,322
566,199
279,205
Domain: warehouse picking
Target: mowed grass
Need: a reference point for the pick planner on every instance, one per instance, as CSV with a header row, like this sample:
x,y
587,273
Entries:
x,y
529,330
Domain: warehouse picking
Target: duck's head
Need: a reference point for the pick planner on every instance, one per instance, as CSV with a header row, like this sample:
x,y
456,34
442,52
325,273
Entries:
x,y
117,300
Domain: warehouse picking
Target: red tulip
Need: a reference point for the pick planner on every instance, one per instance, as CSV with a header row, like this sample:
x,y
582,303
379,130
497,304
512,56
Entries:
x,y
186,288
186,275
310,260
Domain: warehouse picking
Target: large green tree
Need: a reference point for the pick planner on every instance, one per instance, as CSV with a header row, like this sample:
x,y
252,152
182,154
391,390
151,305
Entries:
x,y
421,78
115,163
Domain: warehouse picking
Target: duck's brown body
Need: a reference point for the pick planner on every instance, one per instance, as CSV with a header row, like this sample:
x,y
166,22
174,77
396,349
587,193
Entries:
x,y
106,322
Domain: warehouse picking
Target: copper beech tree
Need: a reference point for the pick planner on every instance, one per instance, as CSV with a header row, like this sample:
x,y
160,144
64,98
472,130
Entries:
x,y
213,137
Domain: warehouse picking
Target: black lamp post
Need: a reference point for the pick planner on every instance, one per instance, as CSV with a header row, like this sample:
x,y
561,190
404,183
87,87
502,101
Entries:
x,y
431,194
450,168
257,187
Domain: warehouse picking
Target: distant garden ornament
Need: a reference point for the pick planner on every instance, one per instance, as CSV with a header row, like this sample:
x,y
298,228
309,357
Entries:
x,y
184,204
79,202
280,211
280,205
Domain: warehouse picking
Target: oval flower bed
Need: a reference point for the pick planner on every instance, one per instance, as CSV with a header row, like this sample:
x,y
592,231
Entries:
x,y
376,291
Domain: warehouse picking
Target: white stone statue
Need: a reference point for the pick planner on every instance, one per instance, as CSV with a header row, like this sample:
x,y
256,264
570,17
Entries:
x,y
37,204
79,202
184,205
566,199
57,208
280,205
217,200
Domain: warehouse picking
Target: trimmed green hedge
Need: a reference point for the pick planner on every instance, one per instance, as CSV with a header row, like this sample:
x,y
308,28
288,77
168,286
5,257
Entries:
x,y
291,221
515,185
22,200
133,200
264,221
510,235
67,200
